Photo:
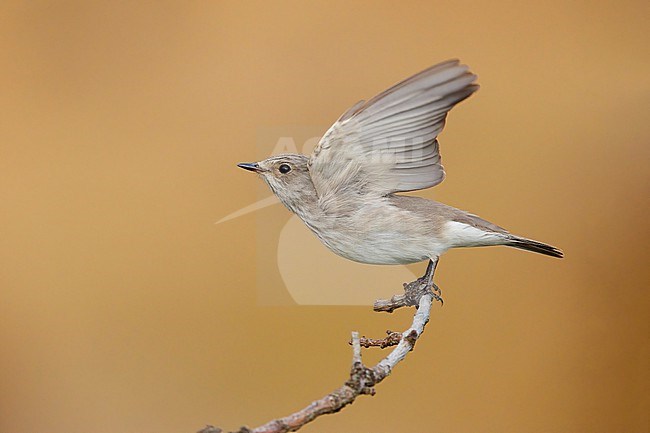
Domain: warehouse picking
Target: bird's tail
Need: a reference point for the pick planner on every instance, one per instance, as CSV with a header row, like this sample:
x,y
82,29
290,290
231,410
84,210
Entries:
x,y
537,247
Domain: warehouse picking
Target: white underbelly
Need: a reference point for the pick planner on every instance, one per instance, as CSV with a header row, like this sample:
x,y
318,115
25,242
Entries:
x,y
381,247
379,234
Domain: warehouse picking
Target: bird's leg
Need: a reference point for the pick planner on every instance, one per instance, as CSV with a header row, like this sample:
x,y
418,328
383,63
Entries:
x,y
426,281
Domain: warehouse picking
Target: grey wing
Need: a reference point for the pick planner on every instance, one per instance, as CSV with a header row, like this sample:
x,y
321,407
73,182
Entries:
x,y
389,143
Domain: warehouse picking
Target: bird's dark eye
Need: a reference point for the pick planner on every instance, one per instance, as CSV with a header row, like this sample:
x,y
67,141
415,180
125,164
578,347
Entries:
x,y
284,168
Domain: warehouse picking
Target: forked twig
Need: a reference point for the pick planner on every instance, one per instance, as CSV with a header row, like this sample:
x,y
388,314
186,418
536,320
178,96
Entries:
x,y
362,379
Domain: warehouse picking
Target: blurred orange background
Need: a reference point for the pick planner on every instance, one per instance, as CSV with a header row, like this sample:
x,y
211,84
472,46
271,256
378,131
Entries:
x,y
124,308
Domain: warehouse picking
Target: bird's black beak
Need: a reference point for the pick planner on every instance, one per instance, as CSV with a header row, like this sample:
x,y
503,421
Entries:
x,y
250,166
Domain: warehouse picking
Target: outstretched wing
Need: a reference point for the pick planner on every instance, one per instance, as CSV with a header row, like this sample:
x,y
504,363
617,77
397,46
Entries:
x,y
389,144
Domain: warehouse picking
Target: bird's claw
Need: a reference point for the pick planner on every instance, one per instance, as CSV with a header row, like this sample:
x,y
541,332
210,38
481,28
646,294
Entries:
x,y
437,294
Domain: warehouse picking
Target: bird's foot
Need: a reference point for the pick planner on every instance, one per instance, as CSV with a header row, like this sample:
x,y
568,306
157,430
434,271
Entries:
x,y
422,286
413,292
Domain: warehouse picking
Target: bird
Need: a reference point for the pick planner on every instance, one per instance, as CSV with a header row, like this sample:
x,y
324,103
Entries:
x,y
347,192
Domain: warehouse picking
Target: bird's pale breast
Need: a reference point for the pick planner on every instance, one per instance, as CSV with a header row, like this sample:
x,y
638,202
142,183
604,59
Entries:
x,y
379,233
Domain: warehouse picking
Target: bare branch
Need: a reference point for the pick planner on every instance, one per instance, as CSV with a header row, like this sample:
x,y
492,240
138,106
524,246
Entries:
x,y
391,339
392,304
356,348
362,379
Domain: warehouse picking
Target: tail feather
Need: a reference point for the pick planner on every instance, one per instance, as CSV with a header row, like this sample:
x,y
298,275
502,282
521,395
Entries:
x,y
537,247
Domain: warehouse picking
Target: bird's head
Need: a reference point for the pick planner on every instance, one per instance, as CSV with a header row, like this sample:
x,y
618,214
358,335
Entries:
x,y
287,176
